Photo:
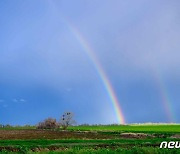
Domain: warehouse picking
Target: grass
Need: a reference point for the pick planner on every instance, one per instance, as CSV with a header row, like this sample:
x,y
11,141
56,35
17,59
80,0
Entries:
x,y
148,128
133,150
88,139
131,128
44,142
88,146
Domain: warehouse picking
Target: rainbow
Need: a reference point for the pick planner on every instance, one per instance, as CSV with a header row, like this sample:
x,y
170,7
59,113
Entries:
x,y
165,100
91,54
106,82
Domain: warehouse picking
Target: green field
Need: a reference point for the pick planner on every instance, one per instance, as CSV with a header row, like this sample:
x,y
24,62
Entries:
x,y
131,128
90,139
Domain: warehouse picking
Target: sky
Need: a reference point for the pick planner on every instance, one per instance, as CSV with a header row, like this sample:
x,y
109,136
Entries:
x,y
45,69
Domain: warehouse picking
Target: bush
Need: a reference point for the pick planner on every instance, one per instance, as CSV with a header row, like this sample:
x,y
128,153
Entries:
x,y
7,126
49,123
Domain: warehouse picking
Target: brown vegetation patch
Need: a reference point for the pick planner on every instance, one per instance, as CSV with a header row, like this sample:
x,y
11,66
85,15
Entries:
x,y
51,134
135,135
12,149
176,136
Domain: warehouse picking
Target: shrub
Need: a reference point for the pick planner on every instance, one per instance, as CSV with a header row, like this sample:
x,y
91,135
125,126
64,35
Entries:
x,y
7,126
49,123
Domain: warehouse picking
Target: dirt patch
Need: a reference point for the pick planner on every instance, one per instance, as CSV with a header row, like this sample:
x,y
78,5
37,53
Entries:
x,y
175,136
135,135
51,134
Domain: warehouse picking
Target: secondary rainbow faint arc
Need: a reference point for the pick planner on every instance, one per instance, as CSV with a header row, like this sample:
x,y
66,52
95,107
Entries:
x,y
164,96
101,72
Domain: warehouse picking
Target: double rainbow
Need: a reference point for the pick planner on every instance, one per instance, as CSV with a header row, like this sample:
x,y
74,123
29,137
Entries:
x,y
104,78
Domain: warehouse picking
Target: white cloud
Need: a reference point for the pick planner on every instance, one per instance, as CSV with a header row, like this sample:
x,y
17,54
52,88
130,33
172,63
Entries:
x,y
22,100
19,100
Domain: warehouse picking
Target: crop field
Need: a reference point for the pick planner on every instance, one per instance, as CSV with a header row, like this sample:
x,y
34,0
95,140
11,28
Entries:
x,y
90,139
132,128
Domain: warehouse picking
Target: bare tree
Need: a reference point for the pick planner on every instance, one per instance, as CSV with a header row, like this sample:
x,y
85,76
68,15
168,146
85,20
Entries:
x,y
67,120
